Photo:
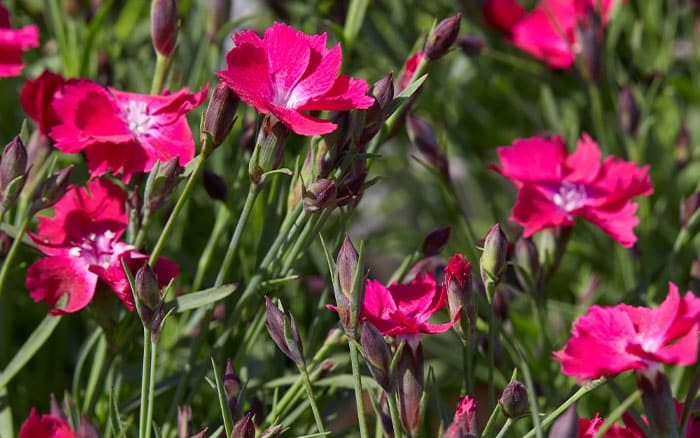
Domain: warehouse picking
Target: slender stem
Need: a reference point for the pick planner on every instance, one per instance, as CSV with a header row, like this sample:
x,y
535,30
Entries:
x,y
504,429
184,196
394,410
238,231
312,399
206,257
359,401
162,65
141,235
151,386
490,289
144,427
491,424
13,251
404,267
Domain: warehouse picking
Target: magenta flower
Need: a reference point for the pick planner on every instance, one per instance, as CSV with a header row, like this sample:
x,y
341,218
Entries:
x,y
288,72
554,186
124,132
610,340
82,245
588,427
37,98
404,309
502,15
464,422
408,71
13,43
45,426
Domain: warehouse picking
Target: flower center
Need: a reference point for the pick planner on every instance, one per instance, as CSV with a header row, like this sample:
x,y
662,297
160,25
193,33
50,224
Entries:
x,y
570,196
95,249
137,117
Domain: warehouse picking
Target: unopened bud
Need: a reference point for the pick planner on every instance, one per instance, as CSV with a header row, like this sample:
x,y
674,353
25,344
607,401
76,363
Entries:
x,y
13,172
566,426
471,44
442,37
55,408
493,259
284,332
383,92
377,355
184,422
527,264
87,429
435,241
269,148
464,423
628,111
658,402
345,267
51,190
410,385
163,183
457,283
695,274
147,290
215,186
590,35
244,428
423,137
164,26
514,400
320,195
220,115
688,208
232,386
218,13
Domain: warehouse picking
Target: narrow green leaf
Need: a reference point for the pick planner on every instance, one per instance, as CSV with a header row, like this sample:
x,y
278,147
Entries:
x,y
6,427
354,20
199,299
223,403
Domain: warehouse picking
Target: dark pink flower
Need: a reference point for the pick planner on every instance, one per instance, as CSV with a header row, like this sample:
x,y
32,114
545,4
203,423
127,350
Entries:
x,y
408,71
124,132
587,428
37,98
692,429
45,426
549,32
503,14
13,43
464,422
404,309
554,186
82,245
610,340
288,72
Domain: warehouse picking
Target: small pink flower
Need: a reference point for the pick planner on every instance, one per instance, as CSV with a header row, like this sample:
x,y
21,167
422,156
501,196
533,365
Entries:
x,y
404,309
13,43
82,245
464,422
408,71
37,98
288,72
587,428
124,132
548,32
45,426
554,186
610,340
459,270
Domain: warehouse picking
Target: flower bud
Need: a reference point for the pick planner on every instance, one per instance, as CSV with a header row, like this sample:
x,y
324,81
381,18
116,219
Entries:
x,y
346,266
628,111
376,115
423,137
471,44
13,172
51,190
55,408
269,148
377,355
658,402
164,26
464,423
514,400
218,14
527,264
493,259
273,431
87,429
232,386
590,36
457,283
244,428
284,332
435,241
162,184
215,186
442,37
147,290
410,385
688,208
566,426
184,422
220,115
320,195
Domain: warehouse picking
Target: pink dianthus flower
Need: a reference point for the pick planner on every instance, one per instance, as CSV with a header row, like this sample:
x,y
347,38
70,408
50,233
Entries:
x,y
13,43
45,426
464,422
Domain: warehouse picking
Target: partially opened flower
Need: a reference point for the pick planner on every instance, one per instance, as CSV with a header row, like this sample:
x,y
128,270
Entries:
x,y
37,98
554,186
81,242
404,309
288,72
124,132
408,71
610,340
464,423
45,426
13,43
588,427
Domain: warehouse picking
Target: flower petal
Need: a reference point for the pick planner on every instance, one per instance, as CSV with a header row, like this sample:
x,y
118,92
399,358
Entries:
x,y
51,277
301,123
346,94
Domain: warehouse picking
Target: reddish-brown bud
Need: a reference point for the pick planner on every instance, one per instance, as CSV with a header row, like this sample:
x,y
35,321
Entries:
x,y
51,190
269,148
514,400
284,332
320,195
161,184
147,290
164,26
471,44
410,385
244,428
215,186
220,115
13,172
628,111
442,37
423,137
218,13
377,355
435,241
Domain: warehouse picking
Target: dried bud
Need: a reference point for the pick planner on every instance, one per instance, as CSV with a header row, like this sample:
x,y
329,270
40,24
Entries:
x,y
464,423
435,241
320,195
688,208
284,332
218,13
346,266
244,428
215,186
628,111
423,137
658,402
493,259
514,401
232,386
471,44
566,426
184,422
164,26
527,264
220,115
410,385
377,355
147,291
269,148
162,183
442,37
51,190
13,172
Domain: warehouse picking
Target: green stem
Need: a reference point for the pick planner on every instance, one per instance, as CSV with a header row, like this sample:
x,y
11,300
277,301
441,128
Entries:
x,y
184,196
312,399
206,257
13,252
359,401
688,405
395,419
617,413
144,427
504,429
405,266
161,71
489,429
490,289
151,385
